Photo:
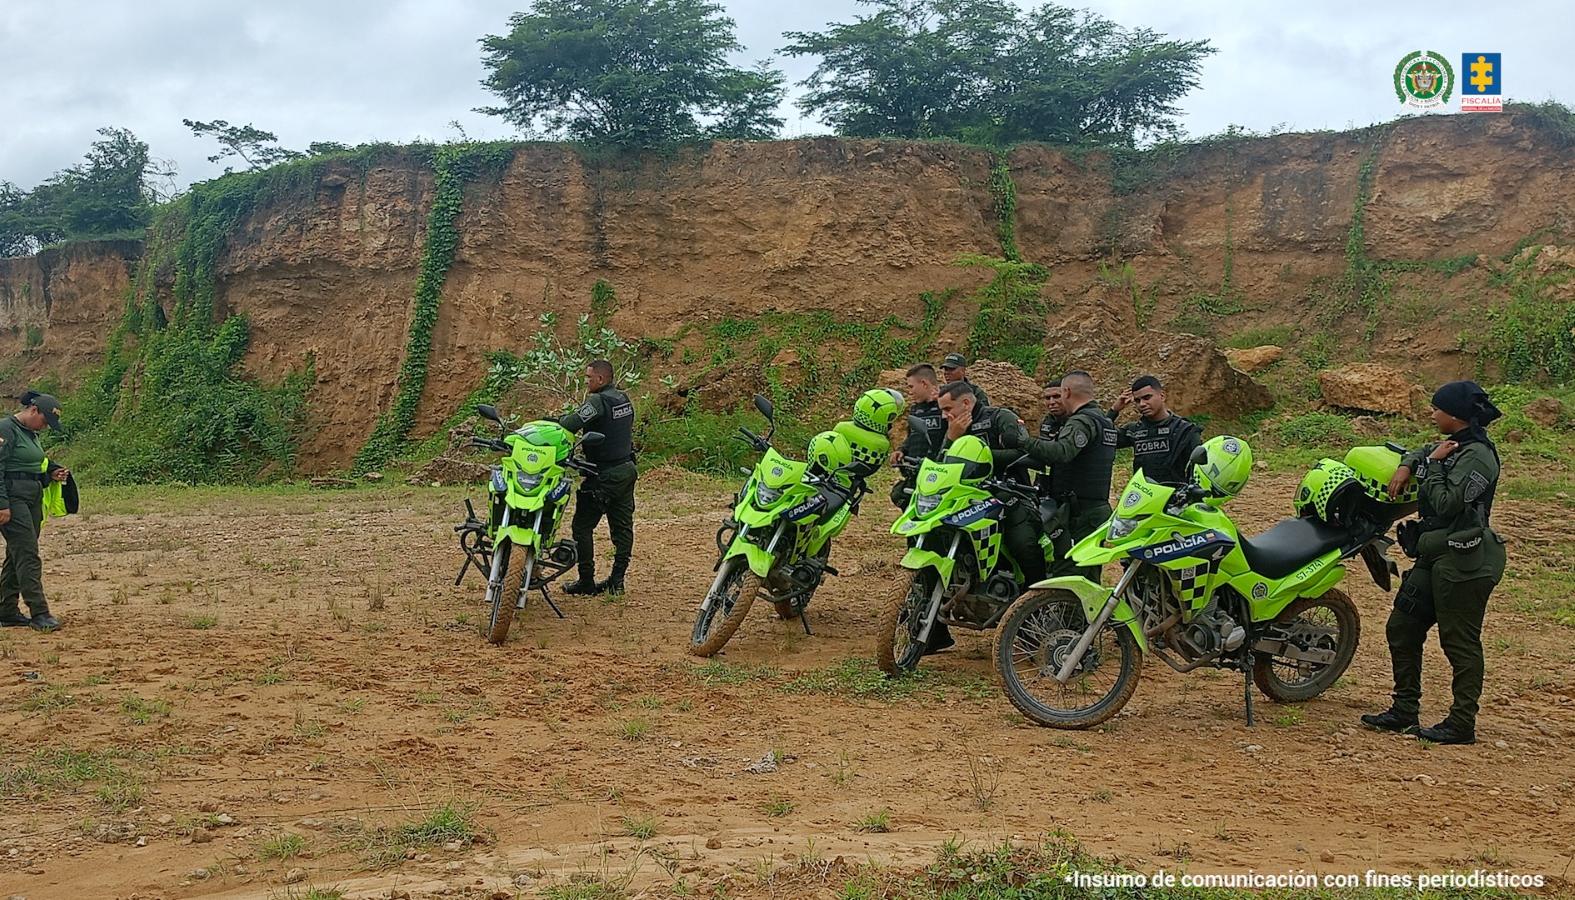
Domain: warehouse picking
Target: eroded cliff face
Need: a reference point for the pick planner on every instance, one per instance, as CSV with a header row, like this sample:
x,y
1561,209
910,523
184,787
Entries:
x,y
857,228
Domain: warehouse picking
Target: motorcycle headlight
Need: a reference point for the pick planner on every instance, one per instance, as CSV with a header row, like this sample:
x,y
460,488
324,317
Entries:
x,y
765,496
1120,528
527,482
926,504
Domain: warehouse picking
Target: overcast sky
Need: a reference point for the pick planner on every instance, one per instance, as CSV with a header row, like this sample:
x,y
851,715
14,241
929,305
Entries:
x,y
360,70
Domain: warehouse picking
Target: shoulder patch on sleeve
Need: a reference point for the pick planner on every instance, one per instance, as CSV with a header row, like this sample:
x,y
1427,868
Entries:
x,y
587,411
1080,438
1476,486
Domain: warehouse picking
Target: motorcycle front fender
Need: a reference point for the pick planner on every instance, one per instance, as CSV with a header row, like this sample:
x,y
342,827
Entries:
x,y
522,535
759,561
1093,597
918,558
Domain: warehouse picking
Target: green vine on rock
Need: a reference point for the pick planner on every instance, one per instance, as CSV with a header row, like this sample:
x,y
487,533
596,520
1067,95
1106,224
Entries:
x,y
453,166
1004,190
1010,324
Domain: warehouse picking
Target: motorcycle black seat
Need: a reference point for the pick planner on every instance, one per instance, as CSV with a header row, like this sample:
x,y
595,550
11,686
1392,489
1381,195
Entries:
x,y
1289,545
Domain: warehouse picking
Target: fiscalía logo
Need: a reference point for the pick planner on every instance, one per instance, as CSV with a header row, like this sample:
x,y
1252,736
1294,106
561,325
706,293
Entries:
x,y
1424,80
1483,90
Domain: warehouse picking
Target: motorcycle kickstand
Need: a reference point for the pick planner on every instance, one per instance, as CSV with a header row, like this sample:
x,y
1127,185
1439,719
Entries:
x,y
1246,675
547,598
803,619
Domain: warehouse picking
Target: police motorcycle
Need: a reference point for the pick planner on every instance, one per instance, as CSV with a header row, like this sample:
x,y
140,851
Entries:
x,y
1196,591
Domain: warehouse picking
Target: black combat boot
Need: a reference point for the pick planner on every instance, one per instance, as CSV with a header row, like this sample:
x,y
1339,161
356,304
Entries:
x,y
44,622
586,584
1447,732
1391,720
614,582
14,618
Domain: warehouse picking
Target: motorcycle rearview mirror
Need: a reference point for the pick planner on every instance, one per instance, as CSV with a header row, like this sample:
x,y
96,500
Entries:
x,y
489,412
765,407
1199,456
592,438
917,425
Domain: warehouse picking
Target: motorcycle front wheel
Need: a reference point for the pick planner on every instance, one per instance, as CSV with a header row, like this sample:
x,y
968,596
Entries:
x,y
1035,638
500,614
897,645
732,594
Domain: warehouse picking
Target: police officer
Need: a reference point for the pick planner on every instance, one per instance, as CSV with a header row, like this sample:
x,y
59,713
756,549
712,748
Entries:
x,y
1001,431
22,483
1055,413
919,444
1080,458
610,491
954,368
1162,442
1053,516
1459,560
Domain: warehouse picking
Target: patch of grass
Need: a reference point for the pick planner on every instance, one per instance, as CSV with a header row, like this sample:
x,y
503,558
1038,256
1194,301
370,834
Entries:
x,y
61,768
641,828
984,778
1278,335
635,729
717,672
352,705
142,711
1289,717
1315,429
282,847
272,676
48,700
449,821
776,809
202,623
874,823
119,794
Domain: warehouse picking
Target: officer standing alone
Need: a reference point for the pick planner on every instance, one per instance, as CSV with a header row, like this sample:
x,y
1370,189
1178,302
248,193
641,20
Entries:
x,y
610,492
1459,560
23,479
1162,442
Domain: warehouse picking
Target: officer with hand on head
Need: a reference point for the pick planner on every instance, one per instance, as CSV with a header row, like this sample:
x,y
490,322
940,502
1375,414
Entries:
x,y
1002,432
610,492
1162,442
1459,560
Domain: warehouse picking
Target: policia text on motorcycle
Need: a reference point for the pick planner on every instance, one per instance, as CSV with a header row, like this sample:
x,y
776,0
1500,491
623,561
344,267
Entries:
x,y
1459,560
1161,441
24,478
609,492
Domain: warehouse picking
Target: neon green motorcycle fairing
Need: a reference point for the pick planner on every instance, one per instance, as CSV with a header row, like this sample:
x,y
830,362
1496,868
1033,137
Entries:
x,y
532,483
779,496
1199,550
942,497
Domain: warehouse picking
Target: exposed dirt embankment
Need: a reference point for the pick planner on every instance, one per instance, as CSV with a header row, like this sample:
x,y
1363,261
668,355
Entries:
x,y
1215,239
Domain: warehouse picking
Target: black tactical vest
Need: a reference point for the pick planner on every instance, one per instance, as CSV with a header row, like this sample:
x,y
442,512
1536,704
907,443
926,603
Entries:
x,y
1154,449
1087,475
617,425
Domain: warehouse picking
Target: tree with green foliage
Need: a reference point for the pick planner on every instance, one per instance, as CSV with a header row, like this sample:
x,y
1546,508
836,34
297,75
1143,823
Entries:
x,y
991,72
257,148
108,193
635,73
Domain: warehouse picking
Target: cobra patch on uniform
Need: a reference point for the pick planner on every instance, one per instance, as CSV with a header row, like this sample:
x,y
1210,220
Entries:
x,y
587,412
1476,486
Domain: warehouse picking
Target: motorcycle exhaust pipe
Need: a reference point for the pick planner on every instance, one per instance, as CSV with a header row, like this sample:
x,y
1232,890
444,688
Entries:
x,y
1075,658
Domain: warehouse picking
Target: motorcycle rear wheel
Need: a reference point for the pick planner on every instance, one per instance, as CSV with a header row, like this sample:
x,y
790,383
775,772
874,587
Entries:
x,y
1347,625
1036,634
737,588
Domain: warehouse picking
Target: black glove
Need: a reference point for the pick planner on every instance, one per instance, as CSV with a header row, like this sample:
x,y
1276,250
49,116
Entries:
x,y
1408,533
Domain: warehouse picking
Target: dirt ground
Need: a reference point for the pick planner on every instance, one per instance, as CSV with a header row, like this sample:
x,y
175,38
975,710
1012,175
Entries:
x,y
241,667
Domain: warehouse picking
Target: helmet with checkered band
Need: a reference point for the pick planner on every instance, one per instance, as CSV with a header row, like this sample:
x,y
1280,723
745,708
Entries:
x,y
1329,492
829,451
1225,466
876,409
973,455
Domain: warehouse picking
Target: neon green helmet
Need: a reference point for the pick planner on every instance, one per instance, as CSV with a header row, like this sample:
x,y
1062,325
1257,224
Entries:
x,y
1226,466
829,451
876,409
1329,492
974,457
548,434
